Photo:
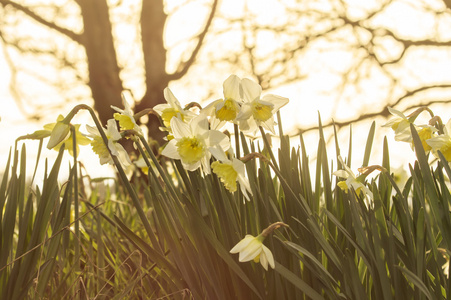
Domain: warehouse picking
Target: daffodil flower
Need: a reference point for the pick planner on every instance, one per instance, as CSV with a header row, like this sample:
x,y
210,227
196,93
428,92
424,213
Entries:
x,y
191,143
352,182
125,117
99,147
230,171
425,132
258,111
252,248
227,109
172,109
60,134
400,125
445,266
442,142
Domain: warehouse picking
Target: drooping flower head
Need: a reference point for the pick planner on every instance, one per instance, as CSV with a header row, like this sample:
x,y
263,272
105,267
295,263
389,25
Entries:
x,y
126,117
227,109
191,142
257,111
102,150
252,248
230,172
60,134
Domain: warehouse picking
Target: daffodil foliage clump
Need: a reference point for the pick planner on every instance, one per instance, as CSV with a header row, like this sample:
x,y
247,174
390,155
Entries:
x,y
217,212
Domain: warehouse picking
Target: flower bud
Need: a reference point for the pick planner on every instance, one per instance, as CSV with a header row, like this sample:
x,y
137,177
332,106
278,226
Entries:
x,y
59,133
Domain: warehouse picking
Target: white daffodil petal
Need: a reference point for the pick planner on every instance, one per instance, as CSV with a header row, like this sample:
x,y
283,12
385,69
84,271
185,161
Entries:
x,y
251,90
277,101
218,138
396,112
242,244
231,87
180,128
269,256
251,251
199,125
112,131
171,99
171,150
341,173
218,153
245,112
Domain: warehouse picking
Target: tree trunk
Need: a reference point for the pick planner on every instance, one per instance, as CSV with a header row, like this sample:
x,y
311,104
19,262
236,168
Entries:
x,y
153,19
97,38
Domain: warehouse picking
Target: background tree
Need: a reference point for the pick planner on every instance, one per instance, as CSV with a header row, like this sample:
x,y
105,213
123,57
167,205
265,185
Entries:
x,y
365,56
96,39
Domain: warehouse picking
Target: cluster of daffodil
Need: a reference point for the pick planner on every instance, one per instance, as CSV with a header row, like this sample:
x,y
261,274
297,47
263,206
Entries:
x,y
192,138
195,138
434,136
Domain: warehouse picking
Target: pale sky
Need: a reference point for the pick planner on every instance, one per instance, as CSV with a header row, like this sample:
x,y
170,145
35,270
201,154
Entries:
x,y
306,97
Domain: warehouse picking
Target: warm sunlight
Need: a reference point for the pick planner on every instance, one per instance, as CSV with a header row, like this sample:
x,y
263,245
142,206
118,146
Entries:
x,y
207,149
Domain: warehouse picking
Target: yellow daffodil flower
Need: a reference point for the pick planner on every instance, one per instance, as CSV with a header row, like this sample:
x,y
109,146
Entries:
x,y
99,147
442,142
230,172
227,109
258,111
425,132
172,109
252,248
125,117
191,142
400,125
60,134
352,182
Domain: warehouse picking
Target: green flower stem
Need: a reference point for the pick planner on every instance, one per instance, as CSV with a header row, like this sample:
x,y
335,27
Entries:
x,y
76,204
131,191
279,124
146,160
157,165
268,147
279,175
237,141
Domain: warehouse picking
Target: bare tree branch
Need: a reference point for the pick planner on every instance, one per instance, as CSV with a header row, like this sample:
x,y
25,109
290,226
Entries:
x,y
69,33
184,66
384,112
